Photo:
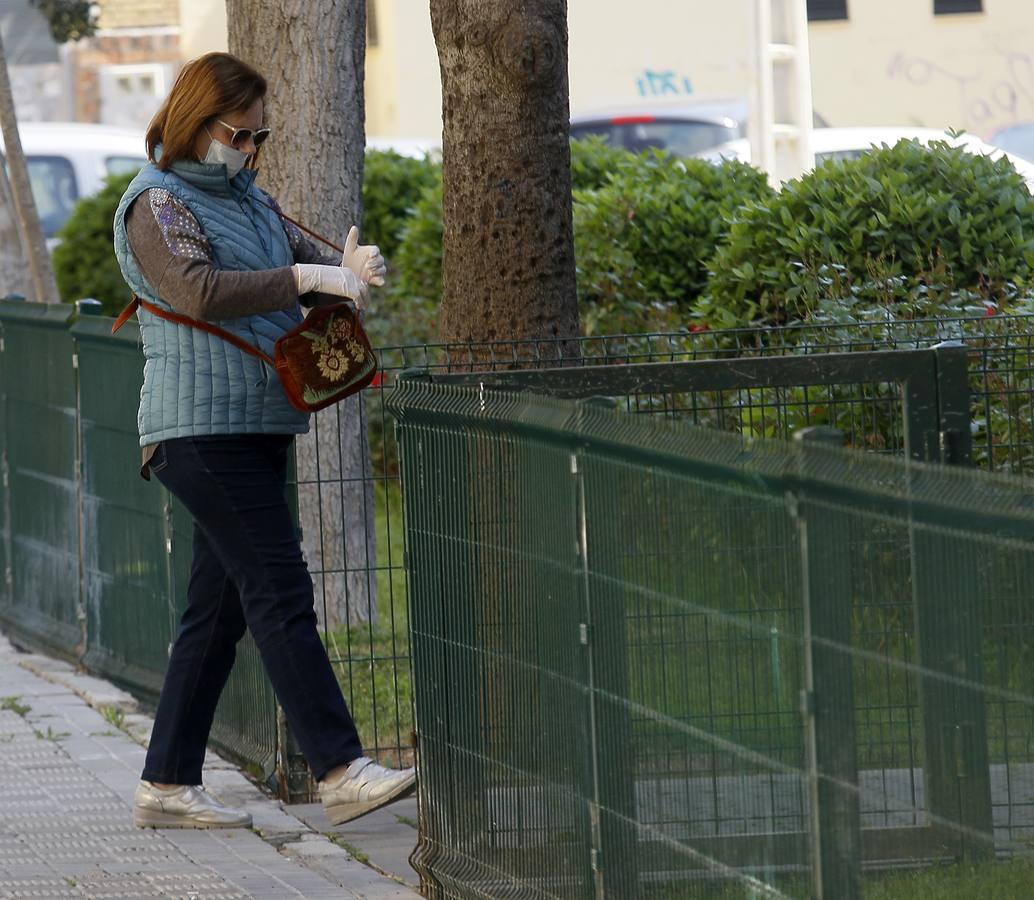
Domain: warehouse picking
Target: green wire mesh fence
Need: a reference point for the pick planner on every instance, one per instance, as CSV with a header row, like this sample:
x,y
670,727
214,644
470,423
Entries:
x,y
648,658
113,601
367,634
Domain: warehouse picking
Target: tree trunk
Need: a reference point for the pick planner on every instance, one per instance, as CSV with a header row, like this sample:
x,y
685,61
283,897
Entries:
x,y
313,56
508,268
14,275
34,245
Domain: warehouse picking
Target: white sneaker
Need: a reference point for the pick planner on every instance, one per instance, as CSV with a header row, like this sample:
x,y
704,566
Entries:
x,y
184,806
364,787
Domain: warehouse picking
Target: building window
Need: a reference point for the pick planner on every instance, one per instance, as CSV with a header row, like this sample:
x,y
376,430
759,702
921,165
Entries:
x,y
826,10
947,7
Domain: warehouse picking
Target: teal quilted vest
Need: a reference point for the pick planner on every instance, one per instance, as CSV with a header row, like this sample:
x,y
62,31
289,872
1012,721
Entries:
x,y
196,383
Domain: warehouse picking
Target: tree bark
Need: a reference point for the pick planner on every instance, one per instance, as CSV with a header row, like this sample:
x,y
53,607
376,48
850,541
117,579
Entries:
x,y
33,243
14,272
508,270
312,52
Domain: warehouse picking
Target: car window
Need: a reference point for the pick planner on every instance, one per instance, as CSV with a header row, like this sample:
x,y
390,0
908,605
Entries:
x,y
680,138
54,189
124,165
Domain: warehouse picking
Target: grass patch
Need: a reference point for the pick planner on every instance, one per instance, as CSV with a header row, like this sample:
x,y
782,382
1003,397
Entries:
x,y
1011,880
372,662
51,735
11,704
364,858
112,715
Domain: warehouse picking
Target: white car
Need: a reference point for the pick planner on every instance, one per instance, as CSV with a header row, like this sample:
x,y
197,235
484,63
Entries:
x,y
850,143
414,148
70,160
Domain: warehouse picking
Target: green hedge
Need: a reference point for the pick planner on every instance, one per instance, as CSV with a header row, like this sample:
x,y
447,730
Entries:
x,y
911,225
84,261
663,243
645,237
392,185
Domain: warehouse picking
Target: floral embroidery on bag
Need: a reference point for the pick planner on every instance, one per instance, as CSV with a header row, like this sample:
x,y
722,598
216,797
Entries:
x,y
333,365
335,348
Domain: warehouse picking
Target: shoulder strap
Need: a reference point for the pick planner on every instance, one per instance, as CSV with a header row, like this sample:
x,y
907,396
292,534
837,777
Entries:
x,y
298,224
237,342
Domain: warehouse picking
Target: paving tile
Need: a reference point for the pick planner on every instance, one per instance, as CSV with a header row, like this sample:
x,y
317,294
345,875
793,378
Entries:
x,y
67,826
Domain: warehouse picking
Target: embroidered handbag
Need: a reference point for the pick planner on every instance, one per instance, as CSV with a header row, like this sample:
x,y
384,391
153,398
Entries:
x,y
319,362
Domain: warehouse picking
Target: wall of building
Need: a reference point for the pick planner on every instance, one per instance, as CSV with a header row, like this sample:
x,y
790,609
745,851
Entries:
x,y
202,27
892,62
895,62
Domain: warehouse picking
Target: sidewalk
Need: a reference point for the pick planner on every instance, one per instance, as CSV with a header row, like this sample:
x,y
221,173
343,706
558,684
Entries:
x,y
67,776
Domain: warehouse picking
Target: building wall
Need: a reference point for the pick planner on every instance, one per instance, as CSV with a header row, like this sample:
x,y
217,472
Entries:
x,y
137,14
892,62
895,62
202,27
122,47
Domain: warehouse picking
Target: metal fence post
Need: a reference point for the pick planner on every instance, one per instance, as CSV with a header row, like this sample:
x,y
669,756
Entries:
x,y
948,610
954,399
615,833
828,698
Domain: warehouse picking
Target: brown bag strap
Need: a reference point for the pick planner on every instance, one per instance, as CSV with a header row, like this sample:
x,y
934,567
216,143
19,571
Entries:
x,y
237,342
298,224
240,344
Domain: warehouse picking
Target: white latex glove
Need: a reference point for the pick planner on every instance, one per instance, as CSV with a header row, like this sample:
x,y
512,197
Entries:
x,y
336,280
364,259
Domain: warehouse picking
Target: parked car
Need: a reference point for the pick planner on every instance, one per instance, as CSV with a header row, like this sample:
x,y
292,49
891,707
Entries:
x,y
684,129
850,143
70,160
1017,139
415,148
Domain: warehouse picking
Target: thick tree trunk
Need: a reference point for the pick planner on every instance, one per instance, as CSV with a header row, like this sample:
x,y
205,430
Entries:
x,y
312,53
33,243
508,258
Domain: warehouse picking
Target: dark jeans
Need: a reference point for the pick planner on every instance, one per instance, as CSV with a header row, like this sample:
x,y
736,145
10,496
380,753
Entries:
x,y
248,571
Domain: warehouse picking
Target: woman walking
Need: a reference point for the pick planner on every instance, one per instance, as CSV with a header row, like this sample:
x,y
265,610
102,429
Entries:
x,y
194,235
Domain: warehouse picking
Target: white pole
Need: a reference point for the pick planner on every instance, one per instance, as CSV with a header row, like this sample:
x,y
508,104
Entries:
x,y
762,137
805,109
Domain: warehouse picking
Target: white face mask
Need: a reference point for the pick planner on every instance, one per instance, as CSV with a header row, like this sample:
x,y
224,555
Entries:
x,y
220,154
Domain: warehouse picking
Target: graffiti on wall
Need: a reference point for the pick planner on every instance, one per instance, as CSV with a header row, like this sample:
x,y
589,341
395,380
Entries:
x,y
997,93
663,83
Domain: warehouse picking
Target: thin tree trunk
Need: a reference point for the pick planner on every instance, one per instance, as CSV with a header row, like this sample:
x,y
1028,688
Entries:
x,y
508,269
14,273
34,244
313,56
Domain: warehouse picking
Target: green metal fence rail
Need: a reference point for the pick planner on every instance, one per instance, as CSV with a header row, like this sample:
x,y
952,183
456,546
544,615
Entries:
x,y
96,560
637,648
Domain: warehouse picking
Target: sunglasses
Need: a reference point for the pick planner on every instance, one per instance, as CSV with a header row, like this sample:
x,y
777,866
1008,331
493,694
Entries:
x,y
241,135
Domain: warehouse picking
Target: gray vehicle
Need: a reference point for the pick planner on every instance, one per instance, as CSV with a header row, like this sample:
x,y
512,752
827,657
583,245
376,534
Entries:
x,y
1017,139
684,129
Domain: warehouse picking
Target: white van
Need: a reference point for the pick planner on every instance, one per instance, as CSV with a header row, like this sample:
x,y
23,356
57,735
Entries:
x,y
70,160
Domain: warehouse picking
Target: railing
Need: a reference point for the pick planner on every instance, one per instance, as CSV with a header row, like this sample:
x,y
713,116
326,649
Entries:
x,y
112,597
96,560
651,660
